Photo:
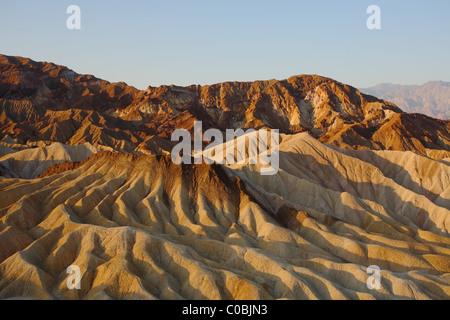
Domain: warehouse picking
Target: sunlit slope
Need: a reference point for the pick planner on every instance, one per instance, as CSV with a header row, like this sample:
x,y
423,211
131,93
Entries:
x,y
141,227
30,163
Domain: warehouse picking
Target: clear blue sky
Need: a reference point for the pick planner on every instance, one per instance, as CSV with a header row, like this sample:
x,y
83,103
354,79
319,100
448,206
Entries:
x,y
146,42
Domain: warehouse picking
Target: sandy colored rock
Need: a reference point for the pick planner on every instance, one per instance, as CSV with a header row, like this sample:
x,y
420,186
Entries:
x,y
140,227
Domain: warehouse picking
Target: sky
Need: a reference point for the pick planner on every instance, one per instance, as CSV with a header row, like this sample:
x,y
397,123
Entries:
x,y
183,42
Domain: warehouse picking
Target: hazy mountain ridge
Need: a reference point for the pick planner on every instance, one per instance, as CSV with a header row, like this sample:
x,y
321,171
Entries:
x,y
432,98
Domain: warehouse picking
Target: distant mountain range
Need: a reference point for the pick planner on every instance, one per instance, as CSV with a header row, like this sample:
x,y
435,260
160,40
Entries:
x,y
432,98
